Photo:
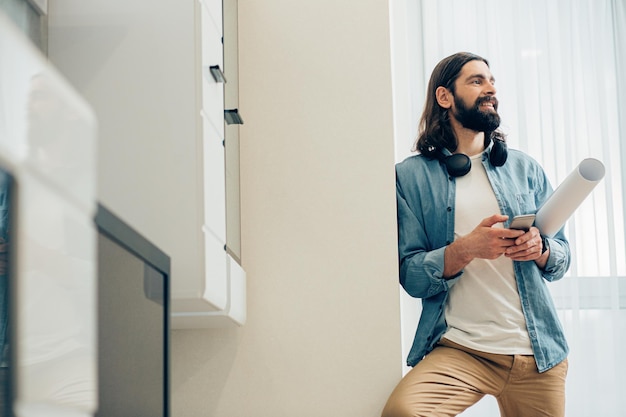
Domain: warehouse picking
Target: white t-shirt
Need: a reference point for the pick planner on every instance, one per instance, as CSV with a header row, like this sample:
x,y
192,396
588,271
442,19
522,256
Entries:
x,y
484,311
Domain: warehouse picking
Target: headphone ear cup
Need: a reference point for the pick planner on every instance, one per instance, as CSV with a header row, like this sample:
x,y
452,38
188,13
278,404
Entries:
x,y
499,153
458,164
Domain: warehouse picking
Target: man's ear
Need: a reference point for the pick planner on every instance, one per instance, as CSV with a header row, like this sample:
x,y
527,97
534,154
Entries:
x,y
444,97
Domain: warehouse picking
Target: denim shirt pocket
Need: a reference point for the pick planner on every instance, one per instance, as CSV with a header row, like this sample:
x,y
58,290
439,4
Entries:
x,y
525,203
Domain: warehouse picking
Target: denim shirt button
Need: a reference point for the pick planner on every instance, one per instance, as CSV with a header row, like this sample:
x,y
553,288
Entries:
x,y
532,335
449,209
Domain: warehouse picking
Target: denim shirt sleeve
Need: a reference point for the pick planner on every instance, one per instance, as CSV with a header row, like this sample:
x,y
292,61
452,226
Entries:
x,y
421,261
560,256
558,260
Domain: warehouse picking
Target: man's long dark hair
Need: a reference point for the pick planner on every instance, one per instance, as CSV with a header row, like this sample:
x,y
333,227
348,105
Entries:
x,y
435,131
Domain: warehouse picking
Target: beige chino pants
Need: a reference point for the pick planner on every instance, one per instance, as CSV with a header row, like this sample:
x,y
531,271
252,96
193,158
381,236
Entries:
x,y
452,378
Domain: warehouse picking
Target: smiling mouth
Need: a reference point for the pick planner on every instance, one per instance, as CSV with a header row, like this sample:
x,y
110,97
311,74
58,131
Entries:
x,y
488,103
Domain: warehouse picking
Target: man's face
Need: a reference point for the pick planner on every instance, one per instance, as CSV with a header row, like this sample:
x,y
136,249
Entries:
x,y
475,104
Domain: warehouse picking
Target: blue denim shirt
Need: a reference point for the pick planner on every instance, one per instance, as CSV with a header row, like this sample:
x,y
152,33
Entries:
x,y
425,197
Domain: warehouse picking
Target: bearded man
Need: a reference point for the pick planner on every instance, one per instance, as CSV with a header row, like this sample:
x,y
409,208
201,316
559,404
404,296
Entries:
x,y
488,325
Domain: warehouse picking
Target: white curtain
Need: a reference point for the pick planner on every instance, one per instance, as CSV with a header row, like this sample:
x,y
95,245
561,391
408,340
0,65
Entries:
x,y
560,68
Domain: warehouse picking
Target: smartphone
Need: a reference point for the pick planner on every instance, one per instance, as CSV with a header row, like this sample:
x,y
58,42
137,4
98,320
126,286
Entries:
x,y
523,222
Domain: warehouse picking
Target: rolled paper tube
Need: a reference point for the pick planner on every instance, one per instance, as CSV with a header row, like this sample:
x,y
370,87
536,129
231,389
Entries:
x,y
555,211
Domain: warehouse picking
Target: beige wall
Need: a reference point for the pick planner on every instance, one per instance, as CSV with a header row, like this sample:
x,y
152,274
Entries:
x,y
318,223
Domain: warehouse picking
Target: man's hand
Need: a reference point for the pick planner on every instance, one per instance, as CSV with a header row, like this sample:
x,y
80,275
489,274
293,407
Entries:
x,y
485,242
528,247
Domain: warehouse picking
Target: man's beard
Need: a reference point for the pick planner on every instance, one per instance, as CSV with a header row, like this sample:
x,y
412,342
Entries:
x,y
475,119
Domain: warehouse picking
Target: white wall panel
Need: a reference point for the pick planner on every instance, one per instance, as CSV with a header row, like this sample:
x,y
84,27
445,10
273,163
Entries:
x,y
161,169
